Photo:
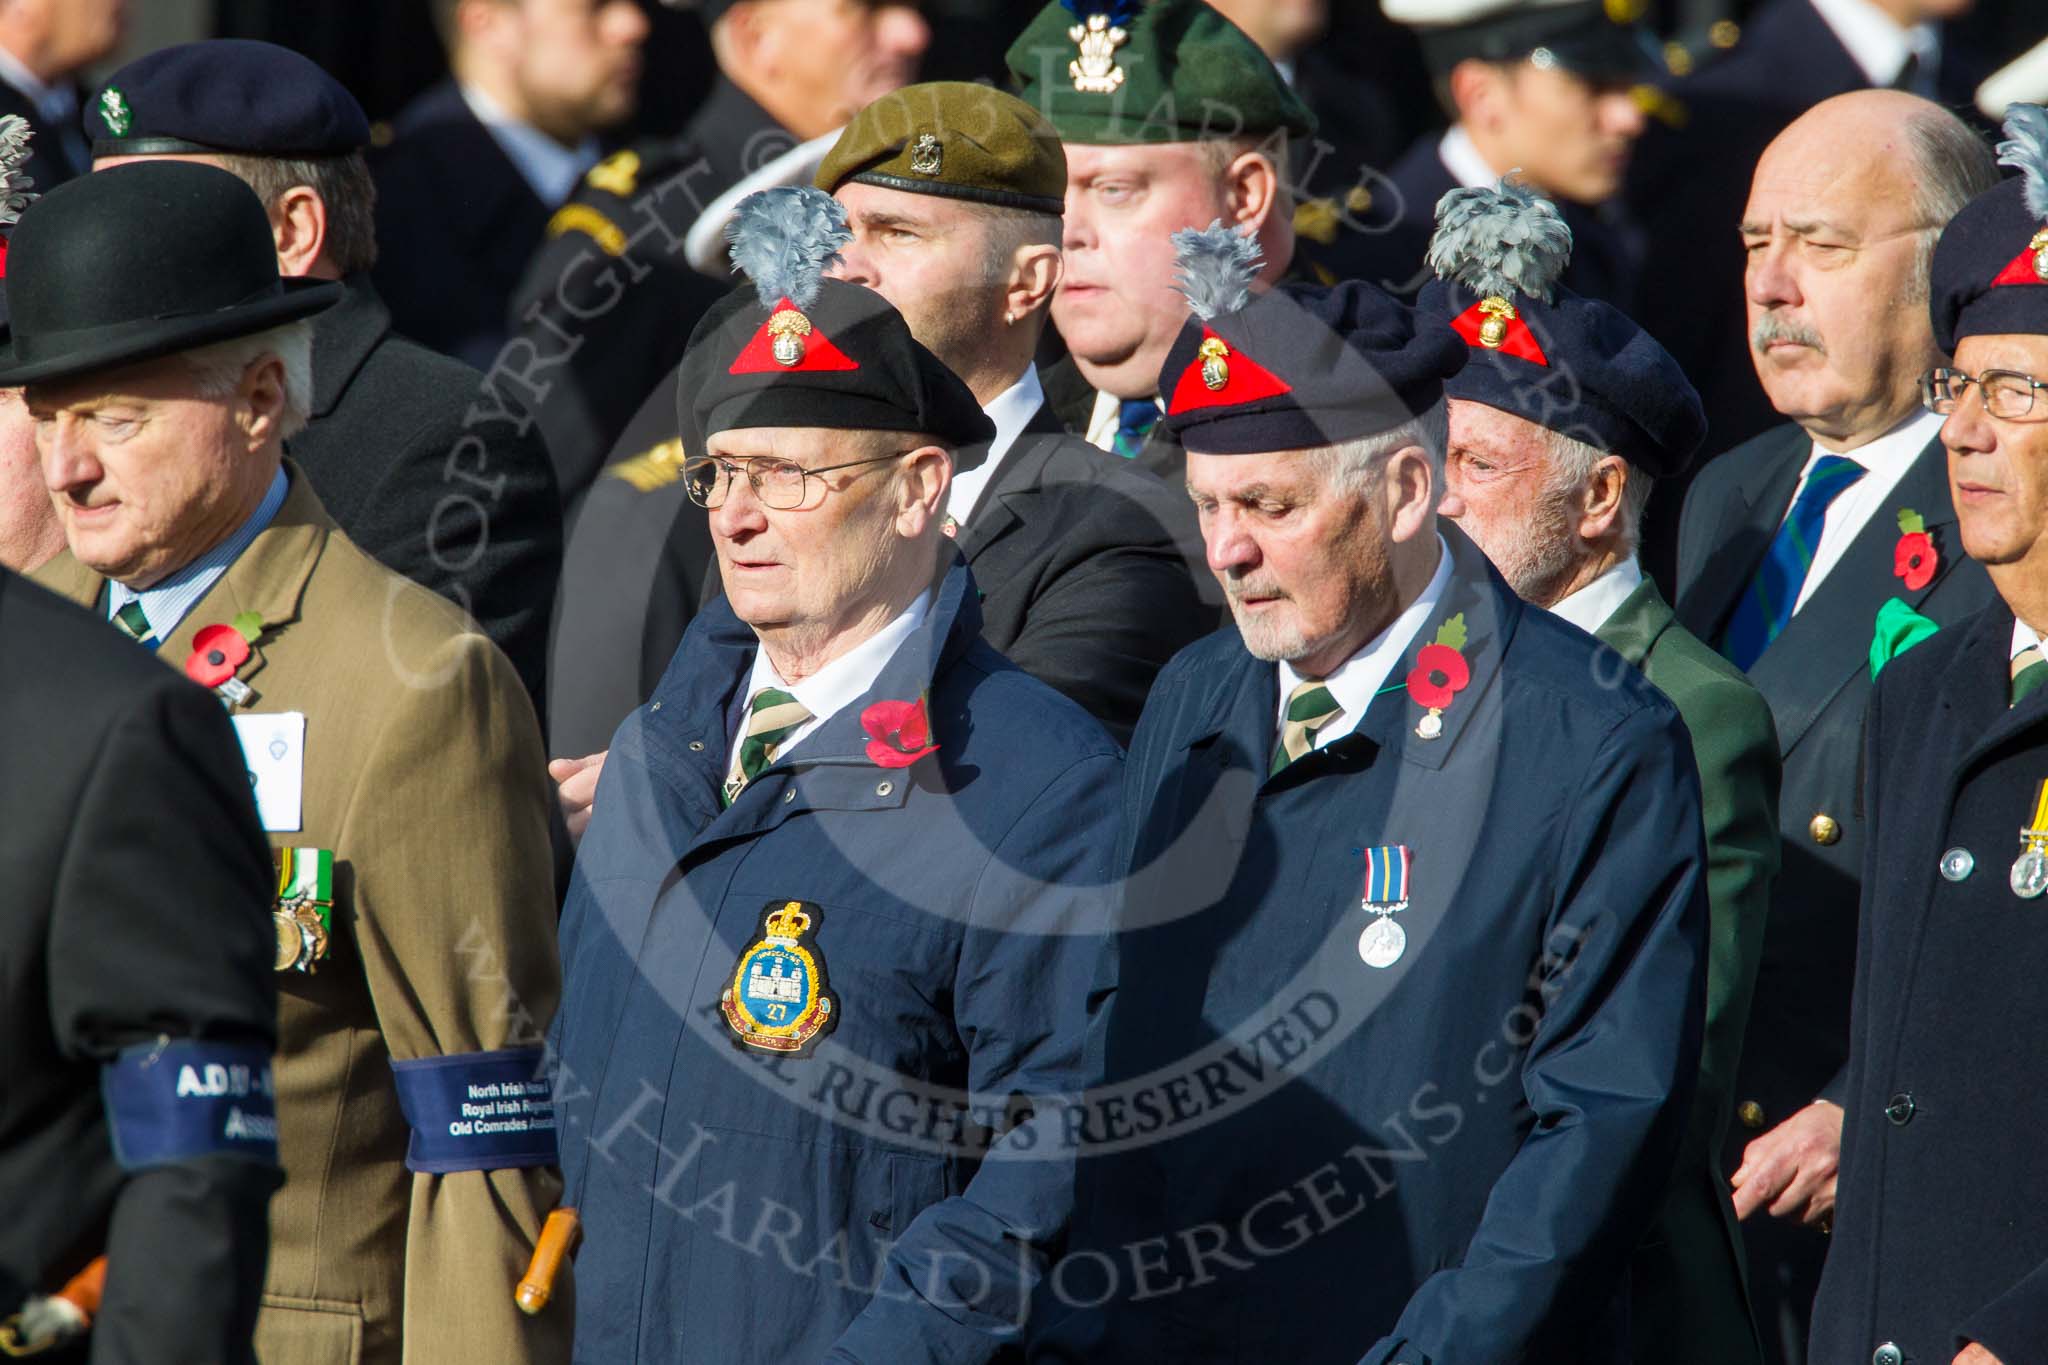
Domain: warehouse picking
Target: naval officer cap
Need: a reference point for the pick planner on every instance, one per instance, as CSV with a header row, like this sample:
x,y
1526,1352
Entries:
x,y
1574,365
225,95
1114,72
955,140
793,349
1990,274
1295,368
1603,41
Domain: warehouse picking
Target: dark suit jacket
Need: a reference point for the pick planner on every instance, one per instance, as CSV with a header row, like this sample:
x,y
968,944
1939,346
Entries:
x,y
426,474
50,163
1938,1231
456,223
1089,573
608,301
1373,1164
135,896
1071,398
1816,677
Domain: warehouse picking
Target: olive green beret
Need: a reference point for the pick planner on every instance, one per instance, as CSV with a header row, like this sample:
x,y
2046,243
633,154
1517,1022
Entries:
x,y
1118,71
953,139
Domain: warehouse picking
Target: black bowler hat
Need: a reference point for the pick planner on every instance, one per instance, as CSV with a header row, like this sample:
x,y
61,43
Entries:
x,y
1543,353
225,95
1990,273
793,349
1297,368
141,261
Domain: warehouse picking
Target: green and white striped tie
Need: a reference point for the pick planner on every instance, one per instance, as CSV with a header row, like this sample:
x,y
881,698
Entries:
x,y
2029,671
772,717
1310,706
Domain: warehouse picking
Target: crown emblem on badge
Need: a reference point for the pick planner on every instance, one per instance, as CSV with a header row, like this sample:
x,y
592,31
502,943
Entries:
x,y
787,925
1215,363
114,109
2039,246
926,155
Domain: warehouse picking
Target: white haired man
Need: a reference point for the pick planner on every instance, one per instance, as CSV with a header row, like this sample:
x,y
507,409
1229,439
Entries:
x,y
396,762
1566,413
1390,810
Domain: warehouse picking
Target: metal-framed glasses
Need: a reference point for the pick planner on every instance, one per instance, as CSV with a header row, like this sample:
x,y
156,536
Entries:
x,y
778,483
2006,394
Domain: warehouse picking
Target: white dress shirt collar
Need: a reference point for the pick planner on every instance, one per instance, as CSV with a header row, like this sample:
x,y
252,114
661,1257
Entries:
x,y
1876,43
2024,636
551,169
1461,158
1590,606
840,683
1011,411
1888,458
1359,678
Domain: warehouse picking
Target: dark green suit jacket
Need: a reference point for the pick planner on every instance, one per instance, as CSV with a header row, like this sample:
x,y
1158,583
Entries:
x,y
1690,1304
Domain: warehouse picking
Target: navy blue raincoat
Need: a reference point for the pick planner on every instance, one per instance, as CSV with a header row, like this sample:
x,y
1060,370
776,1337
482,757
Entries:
x,y
1314,1156
930,942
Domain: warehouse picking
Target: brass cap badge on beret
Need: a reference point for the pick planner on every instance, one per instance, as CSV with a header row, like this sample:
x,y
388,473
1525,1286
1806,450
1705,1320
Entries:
x,y
1500,241
1095,71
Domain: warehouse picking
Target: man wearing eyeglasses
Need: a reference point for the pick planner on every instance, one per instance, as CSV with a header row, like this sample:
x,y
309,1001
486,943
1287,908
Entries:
x,y
1789,550
1938,1253
836,932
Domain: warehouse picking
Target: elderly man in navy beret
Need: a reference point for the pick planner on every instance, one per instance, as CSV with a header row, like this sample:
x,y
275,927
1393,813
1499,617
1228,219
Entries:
x,y
1411,967
1566,413
837,929
1937,1253
421,467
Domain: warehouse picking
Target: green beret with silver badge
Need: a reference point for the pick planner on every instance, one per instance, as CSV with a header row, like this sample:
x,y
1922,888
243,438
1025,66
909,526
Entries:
x,y
956,140
1112,72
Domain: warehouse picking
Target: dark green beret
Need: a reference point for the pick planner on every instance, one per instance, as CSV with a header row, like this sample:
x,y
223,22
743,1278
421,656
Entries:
x,y
953,139
1118,71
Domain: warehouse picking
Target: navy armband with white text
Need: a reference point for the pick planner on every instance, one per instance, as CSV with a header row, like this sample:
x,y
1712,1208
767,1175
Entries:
x,y
477,1111
172,1101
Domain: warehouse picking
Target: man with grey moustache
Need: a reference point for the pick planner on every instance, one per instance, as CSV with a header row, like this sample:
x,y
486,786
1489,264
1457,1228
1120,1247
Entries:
x,y
1806,557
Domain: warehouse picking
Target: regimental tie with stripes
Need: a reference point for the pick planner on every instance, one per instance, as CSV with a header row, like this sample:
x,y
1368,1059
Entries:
x,y
772,717
133,622
1310,707
2029,671
1767,606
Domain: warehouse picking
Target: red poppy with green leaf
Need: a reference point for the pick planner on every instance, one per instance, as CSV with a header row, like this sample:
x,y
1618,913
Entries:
x,y
1914,558
1440,673
217,650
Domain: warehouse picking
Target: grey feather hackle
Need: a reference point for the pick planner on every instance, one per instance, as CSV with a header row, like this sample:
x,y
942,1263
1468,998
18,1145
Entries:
x,y
2026,148
1217,266
785,239
15,183
1500,240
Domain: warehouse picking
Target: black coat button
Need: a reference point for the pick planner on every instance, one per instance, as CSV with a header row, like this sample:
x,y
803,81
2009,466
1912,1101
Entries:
x,y
1900,1110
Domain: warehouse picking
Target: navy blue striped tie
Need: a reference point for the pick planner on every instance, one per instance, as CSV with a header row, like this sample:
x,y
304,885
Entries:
x,y
1763,611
